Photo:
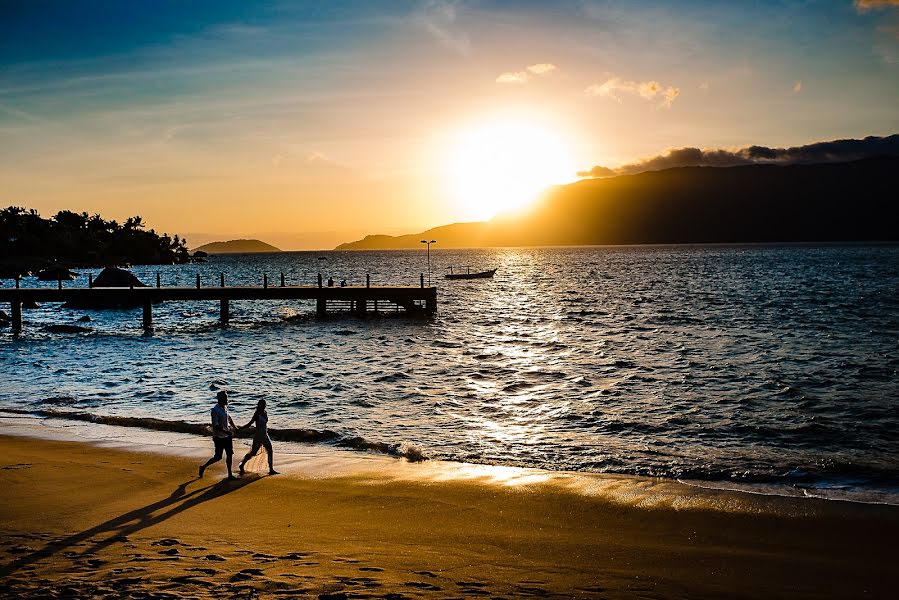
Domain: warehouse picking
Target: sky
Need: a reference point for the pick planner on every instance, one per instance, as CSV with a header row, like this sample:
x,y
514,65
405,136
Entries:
x,y
309,124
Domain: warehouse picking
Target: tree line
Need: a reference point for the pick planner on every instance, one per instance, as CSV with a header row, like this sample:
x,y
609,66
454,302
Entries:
x,y
29,242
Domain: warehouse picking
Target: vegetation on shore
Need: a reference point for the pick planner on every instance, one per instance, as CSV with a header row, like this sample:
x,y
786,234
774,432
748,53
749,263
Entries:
x,y
29,242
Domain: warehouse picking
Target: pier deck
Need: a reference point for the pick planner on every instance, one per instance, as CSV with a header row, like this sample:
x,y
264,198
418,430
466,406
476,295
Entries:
x,y
358,299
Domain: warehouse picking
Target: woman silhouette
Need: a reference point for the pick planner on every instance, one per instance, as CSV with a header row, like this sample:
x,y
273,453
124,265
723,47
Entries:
x,y
260,438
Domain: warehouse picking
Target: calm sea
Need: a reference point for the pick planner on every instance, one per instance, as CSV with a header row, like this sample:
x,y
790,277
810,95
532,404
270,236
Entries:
x,y
768,367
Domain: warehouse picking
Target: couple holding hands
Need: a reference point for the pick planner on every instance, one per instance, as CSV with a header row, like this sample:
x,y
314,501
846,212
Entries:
x,y
223,430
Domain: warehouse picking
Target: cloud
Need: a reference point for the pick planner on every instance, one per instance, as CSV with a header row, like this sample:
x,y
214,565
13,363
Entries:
x,y
669,95
513,77
519,77
797,87
615,87
542,68
439,18
820,152
863,6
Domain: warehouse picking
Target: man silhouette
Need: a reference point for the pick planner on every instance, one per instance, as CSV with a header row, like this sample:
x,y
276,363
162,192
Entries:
x,y
222,433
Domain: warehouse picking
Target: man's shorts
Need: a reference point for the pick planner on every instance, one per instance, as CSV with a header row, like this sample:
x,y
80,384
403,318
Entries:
x,y
225,445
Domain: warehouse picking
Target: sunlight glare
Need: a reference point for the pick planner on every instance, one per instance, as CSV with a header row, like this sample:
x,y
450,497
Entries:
x,y
503,165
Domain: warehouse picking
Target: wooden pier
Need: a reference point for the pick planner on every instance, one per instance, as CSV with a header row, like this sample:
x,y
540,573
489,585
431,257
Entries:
x,y
358,300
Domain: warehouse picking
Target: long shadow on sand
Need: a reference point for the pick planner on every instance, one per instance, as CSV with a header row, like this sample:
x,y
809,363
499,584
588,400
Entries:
x,y
133,521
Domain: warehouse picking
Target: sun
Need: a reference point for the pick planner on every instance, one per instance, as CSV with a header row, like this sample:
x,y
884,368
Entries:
x,y
502,164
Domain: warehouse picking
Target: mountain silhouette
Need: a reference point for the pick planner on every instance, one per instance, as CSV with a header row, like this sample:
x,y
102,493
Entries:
x,y
852,201
237,247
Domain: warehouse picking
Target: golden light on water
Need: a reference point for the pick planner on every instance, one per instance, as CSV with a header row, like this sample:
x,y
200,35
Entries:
x,y
503,164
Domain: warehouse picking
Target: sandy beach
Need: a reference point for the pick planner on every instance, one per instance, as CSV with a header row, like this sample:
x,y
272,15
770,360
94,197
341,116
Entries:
x,y
80,520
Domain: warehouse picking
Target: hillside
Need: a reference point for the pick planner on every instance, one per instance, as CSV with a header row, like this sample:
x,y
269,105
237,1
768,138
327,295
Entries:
x,y
237,247
850,201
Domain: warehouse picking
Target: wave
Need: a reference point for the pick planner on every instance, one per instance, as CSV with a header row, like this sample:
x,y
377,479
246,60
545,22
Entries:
x,y
402,449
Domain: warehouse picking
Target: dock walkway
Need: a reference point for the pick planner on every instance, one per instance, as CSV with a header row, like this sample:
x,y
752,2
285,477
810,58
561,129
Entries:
x,y
357,299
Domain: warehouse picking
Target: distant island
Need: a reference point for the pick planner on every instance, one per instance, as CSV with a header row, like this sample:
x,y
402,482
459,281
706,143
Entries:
x,y
29,242
237,247
850,201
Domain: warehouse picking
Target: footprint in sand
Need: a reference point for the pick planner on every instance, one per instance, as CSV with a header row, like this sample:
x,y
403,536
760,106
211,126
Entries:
x,y
423,585
203,570
245,574
265,558
125,582
214,557
372,569
425,573
531,591
170,552
473,588
167,542
365,582
192,580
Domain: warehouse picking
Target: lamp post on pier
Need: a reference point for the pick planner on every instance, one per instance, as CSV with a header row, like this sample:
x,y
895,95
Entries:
x,y
428,243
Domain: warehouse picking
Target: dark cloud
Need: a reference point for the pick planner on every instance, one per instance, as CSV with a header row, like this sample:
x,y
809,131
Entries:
x,y
821,152
597,171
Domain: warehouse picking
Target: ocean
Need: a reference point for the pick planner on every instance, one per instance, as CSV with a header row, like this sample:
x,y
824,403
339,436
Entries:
x,y
770,368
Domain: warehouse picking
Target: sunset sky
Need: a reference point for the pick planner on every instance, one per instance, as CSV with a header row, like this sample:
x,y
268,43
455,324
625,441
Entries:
x,y
315,124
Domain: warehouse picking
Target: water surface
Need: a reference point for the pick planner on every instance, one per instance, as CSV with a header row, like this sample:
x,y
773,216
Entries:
x,y
773,366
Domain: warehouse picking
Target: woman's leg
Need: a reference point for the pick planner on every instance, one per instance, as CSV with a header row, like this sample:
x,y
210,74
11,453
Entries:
x,y
271,456
250,454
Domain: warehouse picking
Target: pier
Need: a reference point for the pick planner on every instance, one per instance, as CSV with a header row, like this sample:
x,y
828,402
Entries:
x,y
358,300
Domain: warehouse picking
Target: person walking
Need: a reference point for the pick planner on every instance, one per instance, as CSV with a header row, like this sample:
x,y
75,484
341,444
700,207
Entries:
x,y
223,429
260,438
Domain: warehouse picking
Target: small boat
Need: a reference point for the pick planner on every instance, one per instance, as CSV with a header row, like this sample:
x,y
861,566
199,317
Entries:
x,y
469,275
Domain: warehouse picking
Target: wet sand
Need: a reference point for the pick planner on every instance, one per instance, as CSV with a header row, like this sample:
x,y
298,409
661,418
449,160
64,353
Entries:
x,y
79,520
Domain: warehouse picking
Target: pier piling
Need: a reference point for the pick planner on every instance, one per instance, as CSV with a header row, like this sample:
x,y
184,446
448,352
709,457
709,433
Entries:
x,y
224,311
90,280
198,281
158,280
282,278
148,315
16,315
222,280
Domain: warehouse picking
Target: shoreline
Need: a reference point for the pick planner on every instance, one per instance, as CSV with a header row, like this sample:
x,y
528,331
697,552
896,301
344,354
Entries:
x,y
96,429
94,518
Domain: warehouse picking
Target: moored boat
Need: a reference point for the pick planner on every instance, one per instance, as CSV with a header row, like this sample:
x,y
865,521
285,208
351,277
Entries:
x,y
469,275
